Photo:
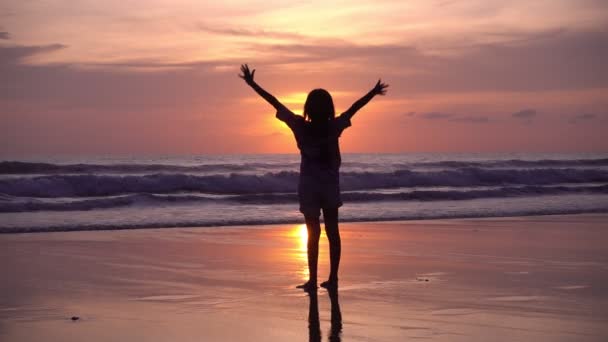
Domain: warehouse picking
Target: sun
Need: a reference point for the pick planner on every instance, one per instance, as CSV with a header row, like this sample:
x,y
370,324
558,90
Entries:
x,y
294,101
277,126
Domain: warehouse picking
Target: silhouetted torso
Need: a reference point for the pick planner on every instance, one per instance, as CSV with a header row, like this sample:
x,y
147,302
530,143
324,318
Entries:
x,y
318,144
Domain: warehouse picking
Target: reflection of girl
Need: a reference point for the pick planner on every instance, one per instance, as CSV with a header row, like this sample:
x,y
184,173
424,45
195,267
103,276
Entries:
x,y
317,134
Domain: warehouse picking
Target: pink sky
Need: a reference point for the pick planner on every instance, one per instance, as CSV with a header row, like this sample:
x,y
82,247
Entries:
x,y
159,77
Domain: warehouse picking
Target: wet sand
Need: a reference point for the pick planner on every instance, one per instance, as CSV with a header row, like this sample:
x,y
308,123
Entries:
x,y
501,279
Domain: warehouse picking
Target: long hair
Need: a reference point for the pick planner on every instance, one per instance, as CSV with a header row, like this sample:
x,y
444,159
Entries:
x,y
319,106
318,111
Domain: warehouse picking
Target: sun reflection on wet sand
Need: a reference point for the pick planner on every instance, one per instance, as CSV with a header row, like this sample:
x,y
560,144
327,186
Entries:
x,y
300,233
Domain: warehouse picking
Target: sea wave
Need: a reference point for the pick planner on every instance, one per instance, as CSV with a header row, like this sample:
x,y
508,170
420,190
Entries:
x,y
88,185
237,221
518,163
23,168
17,204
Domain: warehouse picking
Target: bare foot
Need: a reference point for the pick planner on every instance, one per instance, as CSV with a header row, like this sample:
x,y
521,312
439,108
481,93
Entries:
x,y
330,284
308,286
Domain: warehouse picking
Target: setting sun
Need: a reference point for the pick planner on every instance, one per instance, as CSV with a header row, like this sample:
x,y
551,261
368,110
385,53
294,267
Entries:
x,y
295,101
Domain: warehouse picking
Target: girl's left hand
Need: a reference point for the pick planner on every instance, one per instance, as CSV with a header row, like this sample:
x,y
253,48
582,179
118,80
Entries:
x,y
380,88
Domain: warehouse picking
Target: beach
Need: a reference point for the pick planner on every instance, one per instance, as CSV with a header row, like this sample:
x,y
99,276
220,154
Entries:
x,y
537,278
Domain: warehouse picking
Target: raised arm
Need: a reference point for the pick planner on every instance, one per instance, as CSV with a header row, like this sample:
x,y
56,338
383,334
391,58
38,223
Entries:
x,y
248,77
378,89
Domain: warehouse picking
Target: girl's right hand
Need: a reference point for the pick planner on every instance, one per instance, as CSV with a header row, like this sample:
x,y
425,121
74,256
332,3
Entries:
x,y
247,75
380,88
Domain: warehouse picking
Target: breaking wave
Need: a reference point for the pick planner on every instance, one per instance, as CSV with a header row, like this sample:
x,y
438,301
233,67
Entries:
x,y
88,185
16,204
19,167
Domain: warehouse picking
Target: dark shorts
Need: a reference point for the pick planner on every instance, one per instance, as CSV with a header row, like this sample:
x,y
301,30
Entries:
x,y
315,196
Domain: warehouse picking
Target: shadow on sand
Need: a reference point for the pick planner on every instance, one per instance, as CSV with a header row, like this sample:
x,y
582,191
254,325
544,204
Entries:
x,y
314,325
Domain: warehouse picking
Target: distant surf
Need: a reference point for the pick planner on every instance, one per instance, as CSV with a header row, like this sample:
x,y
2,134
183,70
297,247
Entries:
x,y
200,190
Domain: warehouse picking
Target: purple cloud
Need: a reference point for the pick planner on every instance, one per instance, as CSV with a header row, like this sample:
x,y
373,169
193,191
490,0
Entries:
x,y
15,54
248,33
435,115
454,118
577,61
472,119
526,114
582,117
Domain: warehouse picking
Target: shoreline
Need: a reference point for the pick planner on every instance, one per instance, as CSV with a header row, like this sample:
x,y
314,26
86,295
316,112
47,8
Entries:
x,y
502,279
80,228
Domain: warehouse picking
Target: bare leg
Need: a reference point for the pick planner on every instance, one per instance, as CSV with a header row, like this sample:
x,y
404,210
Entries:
x,y
314,231
330,215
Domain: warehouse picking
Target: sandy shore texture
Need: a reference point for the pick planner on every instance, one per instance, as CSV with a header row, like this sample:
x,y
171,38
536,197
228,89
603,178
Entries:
x,y
501,279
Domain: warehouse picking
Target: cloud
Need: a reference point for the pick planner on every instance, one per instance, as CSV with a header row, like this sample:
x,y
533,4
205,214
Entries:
x,y
446,3
512,37
526,114
453,117
16,54
151,64
4,35
435,115
195,86
529,61
313,52
472,119
577,61
248,32
74,102
582,117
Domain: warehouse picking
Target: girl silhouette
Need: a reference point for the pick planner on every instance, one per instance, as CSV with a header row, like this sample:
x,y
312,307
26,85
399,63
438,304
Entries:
x,y
317,134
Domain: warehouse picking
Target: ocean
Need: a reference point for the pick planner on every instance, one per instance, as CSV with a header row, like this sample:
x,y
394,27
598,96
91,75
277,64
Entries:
x,y
92,193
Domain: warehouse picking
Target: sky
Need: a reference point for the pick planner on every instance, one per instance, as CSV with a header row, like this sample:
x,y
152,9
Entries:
x,y
159,77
